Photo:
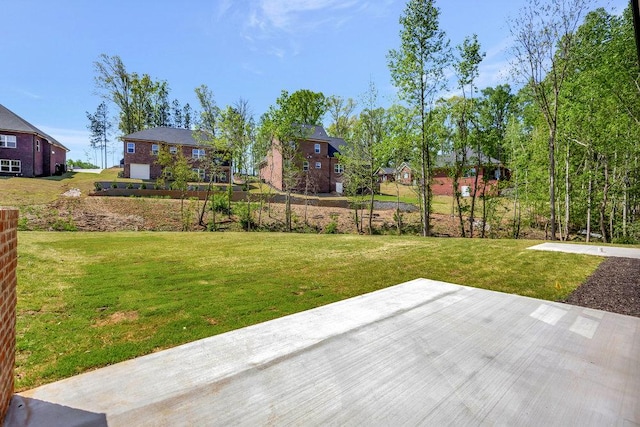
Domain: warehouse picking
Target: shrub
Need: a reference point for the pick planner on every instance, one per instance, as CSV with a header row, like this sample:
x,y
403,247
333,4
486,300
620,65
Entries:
x,y
331,228
143,186
130,186
114,185
98,186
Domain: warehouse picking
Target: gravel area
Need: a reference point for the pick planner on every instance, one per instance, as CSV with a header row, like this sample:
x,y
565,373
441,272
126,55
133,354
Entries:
x,y
614,287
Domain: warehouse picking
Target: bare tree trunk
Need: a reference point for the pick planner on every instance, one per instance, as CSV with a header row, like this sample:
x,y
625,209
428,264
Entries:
x,y
567,196
552,182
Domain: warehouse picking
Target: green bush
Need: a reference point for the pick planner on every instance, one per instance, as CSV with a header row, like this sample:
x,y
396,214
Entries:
x,y
98,186
331,228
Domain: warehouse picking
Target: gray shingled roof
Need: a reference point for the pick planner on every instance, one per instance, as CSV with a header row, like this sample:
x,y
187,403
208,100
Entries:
x,y
167,135
449,159
11,122
319,134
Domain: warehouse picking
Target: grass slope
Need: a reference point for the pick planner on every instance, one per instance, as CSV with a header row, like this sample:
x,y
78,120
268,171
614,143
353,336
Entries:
x,y
88,300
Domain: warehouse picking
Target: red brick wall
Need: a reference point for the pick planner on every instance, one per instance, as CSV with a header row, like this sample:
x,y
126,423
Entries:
x,y
8,283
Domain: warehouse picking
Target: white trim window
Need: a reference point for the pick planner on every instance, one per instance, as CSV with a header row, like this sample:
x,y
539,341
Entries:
x,y
10,166
173,149
38,145
338,168
8,141
318,165
305,166
198,153
155,149
316,148
200,173
131,147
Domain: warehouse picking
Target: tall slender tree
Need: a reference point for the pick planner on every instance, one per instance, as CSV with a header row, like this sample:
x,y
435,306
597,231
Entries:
x,y
544,42
99,126
417,70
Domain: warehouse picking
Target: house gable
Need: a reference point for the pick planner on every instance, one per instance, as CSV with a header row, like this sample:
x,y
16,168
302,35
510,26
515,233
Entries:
x,y
27,151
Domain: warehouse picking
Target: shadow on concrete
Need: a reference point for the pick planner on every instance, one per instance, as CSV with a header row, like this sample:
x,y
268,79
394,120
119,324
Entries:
x,y
26,412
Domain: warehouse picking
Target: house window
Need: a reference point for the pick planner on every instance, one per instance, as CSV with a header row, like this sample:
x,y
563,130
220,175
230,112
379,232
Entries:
x,y
173,150
11,166
197,153
155,148
405,176
8,141
318,165
470,173
338,168
316,147
200,173
131,147
305,166
38,145
223,177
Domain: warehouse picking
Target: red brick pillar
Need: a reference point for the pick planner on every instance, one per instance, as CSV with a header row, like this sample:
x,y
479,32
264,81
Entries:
x,y
8,283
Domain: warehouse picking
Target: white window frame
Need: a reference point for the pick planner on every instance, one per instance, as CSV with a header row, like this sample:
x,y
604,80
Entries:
x,y
10,166
198,153
155,149
8,141
305,166
173,149
338,168
131,147
317,148
38,145
318,165
201,173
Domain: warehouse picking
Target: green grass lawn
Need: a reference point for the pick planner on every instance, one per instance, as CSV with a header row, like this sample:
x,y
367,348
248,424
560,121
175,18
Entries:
x,y
22,192
87,300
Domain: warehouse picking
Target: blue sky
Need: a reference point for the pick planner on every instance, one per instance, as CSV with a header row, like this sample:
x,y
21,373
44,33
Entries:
x,y
249,49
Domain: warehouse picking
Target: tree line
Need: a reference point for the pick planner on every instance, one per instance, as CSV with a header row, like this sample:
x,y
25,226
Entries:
x,y
568,135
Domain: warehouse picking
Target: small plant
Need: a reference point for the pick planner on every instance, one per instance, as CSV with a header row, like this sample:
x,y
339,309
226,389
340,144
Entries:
x,y
62,224
130,186
331,228
143,186
23,224
114,185
98,186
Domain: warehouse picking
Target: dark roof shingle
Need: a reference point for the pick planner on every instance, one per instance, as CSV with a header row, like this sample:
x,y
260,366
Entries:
x,y
11,122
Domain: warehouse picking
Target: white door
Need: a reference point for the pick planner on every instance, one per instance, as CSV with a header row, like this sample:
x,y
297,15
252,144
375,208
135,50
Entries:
x,y
139,171
339,187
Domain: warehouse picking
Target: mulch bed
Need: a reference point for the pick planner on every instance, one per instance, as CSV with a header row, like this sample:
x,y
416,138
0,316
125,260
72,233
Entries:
x,y
614,287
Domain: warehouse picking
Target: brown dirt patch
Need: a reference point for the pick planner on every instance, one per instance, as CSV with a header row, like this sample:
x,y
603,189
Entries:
x,y
614,287
118,317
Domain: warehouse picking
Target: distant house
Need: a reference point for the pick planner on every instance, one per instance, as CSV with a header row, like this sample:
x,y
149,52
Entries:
x,y
404,174
321,171
27,151
141,151
489,173
386,174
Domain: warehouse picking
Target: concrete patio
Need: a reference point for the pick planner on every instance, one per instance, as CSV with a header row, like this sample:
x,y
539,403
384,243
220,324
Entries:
x,y
420,353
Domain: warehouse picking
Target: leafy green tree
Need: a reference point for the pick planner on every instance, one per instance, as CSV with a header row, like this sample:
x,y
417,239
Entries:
x,y
177,170
341,112
361,155
115,83
417,70
544,42
284,126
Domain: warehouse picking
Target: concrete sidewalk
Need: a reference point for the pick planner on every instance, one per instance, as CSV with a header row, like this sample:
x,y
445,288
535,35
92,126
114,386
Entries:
x,y
609,251
420,353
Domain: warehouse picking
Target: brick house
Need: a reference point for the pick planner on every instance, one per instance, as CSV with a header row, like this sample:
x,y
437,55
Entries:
x,y
141,153
490,172
321,171
404,174
27,151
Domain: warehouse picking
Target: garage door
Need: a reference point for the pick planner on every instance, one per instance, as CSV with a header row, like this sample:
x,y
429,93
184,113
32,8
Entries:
x,y
139,171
